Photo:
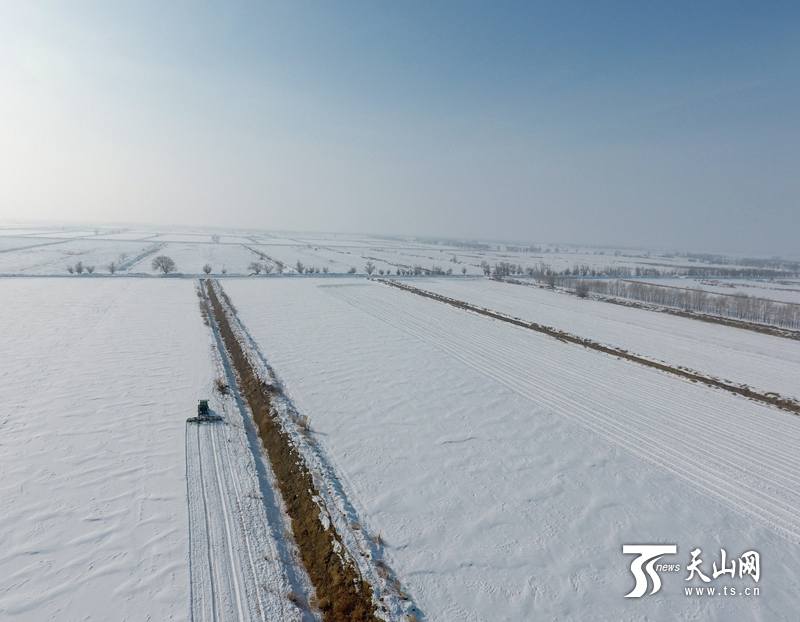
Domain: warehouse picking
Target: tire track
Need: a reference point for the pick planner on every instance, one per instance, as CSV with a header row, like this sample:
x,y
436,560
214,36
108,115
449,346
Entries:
x,y
246,576
772,399
568,385
212,568
232,557
240,512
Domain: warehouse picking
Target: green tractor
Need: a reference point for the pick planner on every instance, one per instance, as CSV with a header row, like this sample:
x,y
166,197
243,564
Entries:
x,y
204,414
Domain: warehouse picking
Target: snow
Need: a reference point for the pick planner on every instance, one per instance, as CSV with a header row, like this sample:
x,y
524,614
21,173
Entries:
x,y
505,469
16,241
762,361
243,564
96,380
20,230
191,257
66,233
45,256
783,291
315,256
128,234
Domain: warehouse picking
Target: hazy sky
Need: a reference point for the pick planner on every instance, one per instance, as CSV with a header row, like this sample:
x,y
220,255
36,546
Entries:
x,y
668,124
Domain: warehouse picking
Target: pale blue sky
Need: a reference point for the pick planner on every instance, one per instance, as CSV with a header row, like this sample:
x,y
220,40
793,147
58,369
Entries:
x,y
660,124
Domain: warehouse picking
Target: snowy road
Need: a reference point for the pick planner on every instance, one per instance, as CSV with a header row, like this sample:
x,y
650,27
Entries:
x,y
235,573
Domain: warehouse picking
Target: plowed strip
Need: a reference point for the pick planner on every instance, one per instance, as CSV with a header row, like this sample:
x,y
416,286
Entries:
x,y
342,595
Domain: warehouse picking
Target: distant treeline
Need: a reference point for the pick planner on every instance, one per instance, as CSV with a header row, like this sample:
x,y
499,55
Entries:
x,y
542,270
610,281
735,306
772,263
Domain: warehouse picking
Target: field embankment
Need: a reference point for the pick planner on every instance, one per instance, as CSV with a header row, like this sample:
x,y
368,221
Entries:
x,y
342,594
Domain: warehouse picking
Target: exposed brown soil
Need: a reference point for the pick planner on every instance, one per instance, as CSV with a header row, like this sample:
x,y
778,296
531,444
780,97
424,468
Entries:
x,y
768,398
341,593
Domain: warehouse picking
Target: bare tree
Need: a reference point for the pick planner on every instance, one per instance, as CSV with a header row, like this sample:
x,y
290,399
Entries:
x,y
279,266
268,267
224,270
215,238
369,268
352,270
207,268
90,269
255,267
79,267
70,269
464,270
164,264
582,289
325,269
299,267
112,267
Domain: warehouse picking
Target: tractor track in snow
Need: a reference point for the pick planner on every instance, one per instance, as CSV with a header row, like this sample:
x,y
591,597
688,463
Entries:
x,y
207,587
322,518
236,569
755,464
773,399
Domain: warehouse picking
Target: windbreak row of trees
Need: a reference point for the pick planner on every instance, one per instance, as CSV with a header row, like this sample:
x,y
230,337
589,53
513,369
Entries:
x,y
769,264
417,270
504,268
542,270
737,273
80,268
735,306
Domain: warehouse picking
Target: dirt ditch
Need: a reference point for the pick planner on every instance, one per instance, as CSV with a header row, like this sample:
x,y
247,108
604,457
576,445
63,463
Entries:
x,y
768,398
342,595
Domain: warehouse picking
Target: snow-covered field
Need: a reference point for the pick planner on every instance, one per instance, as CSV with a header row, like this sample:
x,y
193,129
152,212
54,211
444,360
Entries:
x,y
773,290
114,508
505,470
47,256
311,256
762,361
191,257
500,470
96,380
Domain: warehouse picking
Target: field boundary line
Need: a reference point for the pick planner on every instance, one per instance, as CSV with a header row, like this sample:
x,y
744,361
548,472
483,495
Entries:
x,y
773,399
